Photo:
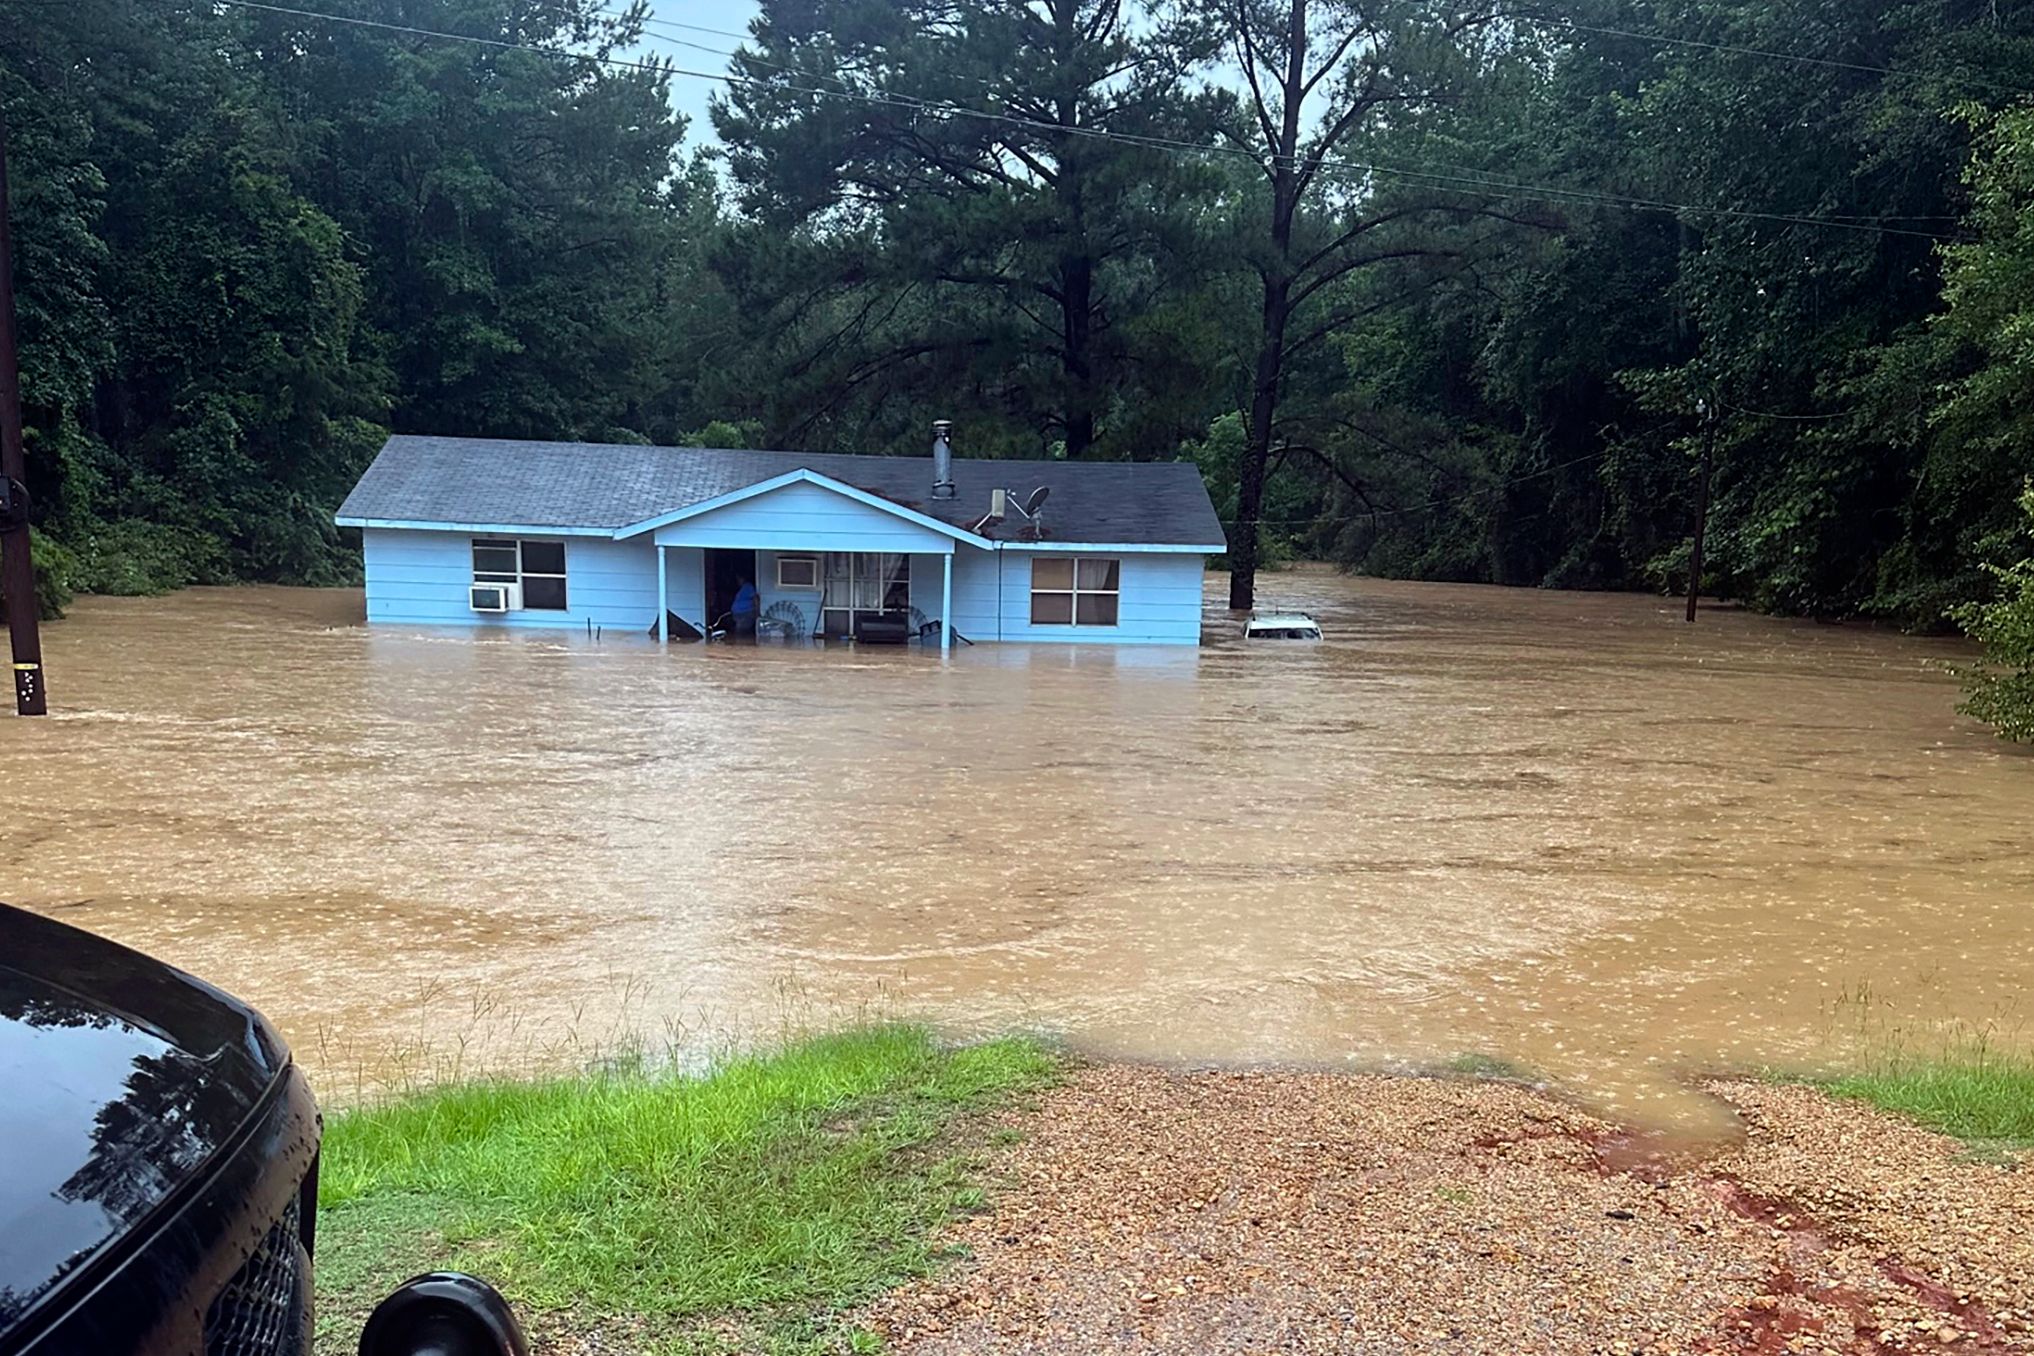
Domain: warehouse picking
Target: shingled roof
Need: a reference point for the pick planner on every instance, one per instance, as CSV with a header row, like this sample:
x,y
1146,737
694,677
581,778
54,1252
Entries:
x,y
611,486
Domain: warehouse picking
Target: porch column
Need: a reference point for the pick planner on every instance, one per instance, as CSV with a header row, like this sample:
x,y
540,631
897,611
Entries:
x,y
663,603
946,604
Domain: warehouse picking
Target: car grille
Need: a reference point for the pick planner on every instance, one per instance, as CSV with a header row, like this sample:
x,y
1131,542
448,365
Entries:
x,y
265,1310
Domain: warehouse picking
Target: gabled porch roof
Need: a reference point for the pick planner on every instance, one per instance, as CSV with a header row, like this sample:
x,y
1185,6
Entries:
x,y
791,531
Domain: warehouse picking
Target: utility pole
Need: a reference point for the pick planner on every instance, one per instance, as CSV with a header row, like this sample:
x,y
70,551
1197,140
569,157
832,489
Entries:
x,y
1707,409
17,570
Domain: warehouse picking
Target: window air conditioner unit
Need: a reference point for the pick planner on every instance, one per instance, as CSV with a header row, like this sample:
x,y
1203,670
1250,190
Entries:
x,y
495,598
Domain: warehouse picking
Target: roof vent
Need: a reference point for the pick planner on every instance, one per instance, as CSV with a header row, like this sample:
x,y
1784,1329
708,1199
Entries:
x,y
942,460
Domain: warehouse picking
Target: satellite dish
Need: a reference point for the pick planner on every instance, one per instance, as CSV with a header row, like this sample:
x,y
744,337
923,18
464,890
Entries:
x,y
1036,500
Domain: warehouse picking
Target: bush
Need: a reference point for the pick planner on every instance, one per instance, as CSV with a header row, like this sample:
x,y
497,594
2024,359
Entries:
x,y
55,574
1999,688
131,557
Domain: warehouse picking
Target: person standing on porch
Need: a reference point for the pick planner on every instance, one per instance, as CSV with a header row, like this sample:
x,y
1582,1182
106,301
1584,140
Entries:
x,y
744,609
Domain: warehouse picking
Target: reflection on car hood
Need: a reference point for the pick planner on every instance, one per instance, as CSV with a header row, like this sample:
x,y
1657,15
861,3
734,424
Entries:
x,y
120,1078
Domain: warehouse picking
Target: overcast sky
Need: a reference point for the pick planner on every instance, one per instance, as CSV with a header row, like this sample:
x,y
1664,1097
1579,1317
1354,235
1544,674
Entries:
x,y
689,95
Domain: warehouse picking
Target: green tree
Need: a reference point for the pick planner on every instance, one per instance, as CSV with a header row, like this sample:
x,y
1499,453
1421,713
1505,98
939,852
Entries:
x,y
1325,80
1548,396
316,231
971,226
204,423
1999,688
1984,430
1428,290
526,219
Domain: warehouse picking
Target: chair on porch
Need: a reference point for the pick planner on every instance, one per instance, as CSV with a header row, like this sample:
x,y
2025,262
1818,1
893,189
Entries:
x,y
927,629
677,628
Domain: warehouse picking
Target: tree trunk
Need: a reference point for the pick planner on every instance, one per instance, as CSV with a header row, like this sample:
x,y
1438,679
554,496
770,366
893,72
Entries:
x,y
1245,532
1278,274
1077,296
1076,260
1701,511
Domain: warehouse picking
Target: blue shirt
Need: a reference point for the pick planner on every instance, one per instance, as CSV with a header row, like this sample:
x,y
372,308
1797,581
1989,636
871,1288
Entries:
x,y
745,599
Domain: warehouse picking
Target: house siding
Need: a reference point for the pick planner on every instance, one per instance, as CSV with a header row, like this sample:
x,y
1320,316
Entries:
x,y
805,600
1159,599
816,518
684,583
421,577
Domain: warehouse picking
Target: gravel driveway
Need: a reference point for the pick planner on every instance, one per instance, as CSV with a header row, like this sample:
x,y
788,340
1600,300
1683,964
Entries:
x,y
1149,1210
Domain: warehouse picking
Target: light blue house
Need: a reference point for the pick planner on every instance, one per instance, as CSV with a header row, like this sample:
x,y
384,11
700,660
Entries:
x,y
488,533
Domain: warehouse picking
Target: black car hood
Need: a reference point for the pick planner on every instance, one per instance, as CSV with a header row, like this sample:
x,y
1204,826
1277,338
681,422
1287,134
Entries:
x,y
120,1078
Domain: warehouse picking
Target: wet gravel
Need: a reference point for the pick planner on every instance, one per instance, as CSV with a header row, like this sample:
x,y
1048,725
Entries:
x,y
1147,1210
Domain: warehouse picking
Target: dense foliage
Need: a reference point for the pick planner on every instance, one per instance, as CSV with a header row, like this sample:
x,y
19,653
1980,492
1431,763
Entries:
x,y
2001,685
249,245
1428,290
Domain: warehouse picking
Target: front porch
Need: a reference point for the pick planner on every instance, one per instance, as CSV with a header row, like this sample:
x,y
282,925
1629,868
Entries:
x,y
826,558
807,594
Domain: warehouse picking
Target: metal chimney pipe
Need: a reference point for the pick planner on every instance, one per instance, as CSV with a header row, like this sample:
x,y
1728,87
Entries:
x,y
942,460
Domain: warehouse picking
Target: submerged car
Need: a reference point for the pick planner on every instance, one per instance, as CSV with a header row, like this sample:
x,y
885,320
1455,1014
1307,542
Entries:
x,y
160,1182
1281,626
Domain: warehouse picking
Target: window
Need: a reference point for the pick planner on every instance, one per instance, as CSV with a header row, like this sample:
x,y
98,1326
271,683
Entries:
x,y
863,585
539,566
797,572
1075,591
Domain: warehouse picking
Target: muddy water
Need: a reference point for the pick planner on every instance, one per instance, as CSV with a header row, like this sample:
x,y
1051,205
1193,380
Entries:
x,y
1563,830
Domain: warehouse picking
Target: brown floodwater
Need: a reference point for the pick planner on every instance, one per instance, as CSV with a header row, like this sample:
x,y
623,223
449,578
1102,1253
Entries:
x,y
1565,830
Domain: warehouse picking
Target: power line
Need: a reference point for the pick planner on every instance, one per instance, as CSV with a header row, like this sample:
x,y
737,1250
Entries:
x,y
1500,485
1419,508
1839,219
1771,54
1568,25
1456,182
746,56
1572,26
754,60
660,22
1796,418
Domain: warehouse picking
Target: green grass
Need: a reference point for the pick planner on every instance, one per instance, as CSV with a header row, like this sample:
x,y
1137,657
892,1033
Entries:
x,y
1986,1099
766,1195
1970,1079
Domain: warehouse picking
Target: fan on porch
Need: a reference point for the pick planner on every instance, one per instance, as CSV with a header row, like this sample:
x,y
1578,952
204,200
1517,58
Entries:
x,y
783,619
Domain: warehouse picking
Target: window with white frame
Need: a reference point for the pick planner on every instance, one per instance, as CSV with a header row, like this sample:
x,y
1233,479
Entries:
x,y
1075,590
797,572
537,566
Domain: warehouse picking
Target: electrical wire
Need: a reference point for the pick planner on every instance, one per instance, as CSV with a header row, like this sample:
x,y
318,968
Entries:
x,y
1771,54
1419,508
659,22
1798,418
1576,26
1467,183
1507,484
1565,24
